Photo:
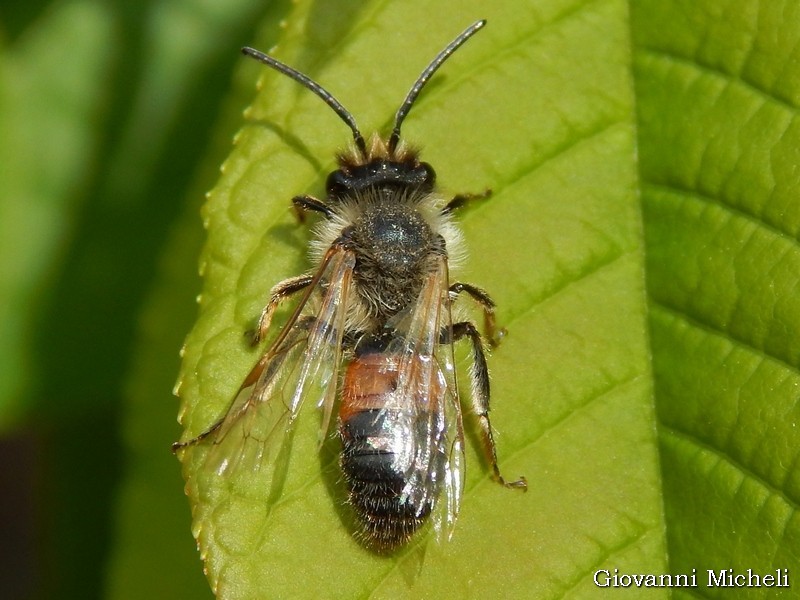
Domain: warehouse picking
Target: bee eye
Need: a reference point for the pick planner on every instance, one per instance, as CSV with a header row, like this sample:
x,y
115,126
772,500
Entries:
x,y
338,184
429,177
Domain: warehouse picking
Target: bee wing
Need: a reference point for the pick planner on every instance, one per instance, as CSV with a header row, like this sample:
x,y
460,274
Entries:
x,y
303,362
427,382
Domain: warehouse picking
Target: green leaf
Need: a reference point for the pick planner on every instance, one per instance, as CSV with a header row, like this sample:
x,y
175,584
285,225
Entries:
x,y
719,140
539,108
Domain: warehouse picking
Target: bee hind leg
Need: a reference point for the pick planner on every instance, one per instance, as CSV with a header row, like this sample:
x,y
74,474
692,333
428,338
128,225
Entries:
x,y
479,376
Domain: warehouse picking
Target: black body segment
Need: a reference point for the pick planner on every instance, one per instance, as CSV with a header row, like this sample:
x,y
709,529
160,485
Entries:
x,y
373,466
379,174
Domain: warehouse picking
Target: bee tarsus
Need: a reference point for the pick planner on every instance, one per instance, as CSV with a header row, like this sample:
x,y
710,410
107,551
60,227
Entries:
x,y
462,199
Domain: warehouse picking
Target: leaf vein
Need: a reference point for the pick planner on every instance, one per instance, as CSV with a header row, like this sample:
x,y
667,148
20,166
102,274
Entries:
x,y
589,268
738,211
570,413
609,552
521,41
670,56
722,455
714,330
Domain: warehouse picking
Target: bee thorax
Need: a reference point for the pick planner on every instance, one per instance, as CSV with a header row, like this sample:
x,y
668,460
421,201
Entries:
x,y
392,241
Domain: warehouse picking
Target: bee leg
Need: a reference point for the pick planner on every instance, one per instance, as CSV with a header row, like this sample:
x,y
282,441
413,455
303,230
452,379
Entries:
x,y
491,331
278,294
269,360
177,446
479,376
461,199
308,203
254,374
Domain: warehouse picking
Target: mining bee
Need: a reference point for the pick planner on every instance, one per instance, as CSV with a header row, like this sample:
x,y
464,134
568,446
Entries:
x,y
373,321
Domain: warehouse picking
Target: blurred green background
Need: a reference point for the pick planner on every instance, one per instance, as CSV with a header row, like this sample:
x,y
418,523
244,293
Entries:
x,y
115,116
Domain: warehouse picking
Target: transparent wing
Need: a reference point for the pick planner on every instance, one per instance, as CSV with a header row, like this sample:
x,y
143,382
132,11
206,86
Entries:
x,y
427,388
302,363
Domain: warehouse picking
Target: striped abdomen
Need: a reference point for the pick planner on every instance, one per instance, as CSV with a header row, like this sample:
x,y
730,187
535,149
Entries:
x,y
392,456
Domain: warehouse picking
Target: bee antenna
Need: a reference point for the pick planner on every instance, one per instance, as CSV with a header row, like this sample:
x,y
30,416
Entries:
x,y
312,85
426,75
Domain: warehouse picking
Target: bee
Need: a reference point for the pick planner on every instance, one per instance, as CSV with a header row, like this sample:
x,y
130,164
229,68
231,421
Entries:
x,y
374,321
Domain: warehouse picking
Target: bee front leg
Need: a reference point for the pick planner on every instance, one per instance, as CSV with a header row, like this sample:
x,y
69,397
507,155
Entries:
x,y
461,199
479,376
302,204
278,294
492,332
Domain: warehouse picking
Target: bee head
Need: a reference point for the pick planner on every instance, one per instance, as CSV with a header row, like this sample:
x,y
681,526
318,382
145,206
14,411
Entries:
x,y
379,168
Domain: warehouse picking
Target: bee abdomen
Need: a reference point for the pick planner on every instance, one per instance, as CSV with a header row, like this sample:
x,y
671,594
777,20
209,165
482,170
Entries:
x,y
375,464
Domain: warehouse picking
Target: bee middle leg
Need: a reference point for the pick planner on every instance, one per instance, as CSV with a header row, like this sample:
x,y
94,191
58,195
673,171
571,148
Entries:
x,y
492,332
479,376
177,446
278,294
